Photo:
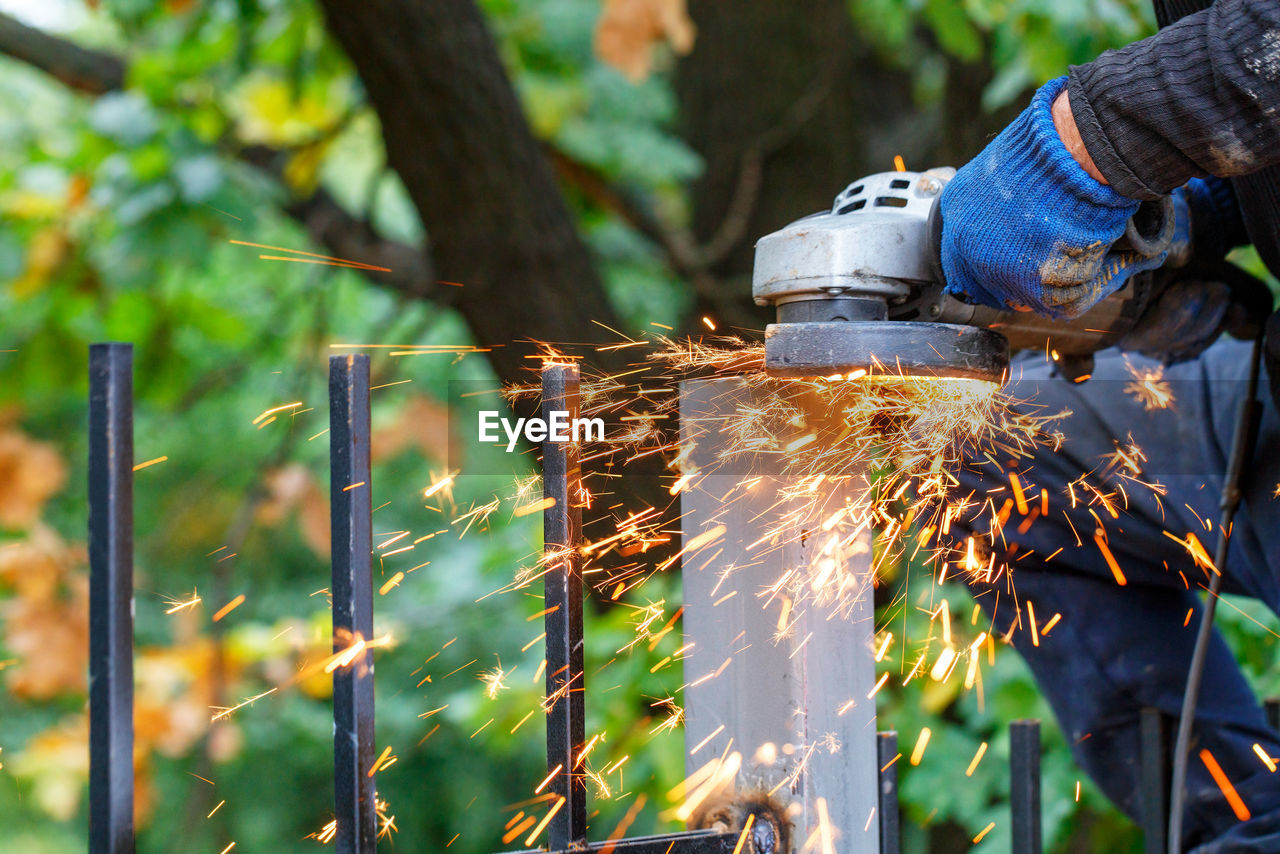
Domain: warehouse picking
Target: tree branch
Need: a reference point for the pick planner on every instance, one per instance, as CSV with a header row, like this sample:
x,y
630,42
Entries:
x,y
82,69
97,72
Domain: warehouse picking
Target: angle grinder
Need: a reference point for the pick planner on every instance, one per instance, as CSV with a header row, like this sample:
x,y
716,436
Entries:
x,y
860,289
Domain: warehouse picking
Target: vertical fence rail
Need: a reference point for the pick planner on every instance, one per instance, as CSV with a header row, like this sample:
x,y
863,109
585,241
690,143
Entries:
x,y
887,760
562,533
111,598
1024,786
1154,734
352,589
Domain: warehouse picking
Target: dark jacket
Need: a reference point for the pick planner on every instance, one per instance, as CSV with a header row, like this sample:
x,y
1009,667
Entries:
x,y
1201,97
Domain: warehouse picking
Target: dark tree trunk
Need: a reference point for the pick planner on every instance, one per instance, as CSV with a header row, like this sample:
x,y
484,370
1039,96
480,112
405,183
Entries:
x,y
791,90
794,91
457,136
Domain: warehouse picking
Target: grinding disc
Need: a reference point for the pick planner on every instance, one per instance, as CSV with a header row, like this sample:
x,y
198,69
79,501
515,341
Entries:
x,y
885,348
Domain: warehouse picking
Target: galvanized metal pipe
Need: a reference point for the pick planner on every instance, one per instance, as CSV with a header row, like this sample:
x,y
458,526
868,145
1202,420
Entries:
x,y
782,703
350,490
111,599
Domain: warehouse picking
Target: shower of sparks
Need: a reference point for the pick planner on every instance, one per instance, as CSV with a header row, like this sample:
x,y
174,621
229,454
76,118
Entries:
x,y
1149,387
492,680
861,470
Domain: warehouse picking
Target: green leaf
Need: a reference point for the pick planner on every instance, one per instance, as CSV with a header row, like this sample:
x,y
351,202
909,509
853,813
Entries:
x,y
954,30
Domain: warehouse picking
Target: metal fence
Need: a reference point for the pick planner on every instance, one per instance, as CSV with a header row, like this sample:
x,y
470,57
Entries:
x,y
111,530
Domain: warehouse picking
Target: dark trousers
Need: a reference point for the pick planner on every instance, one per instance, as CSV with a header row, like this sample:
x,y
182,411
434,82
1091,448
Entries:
x,y
1119,648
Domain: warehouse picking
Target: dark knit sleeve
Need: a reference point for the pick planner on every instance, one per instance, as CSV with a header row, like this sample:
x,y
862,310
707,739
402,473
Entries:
x,y
1200,97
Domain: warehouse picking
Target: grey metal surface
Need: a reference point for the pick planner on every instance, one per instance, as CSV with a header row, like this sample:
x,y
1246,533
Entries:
x,y
877,246
883,348
793,704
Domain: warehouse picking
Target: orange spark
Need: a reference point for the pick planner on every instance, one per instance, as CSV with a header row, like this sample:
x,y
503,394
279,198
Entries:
x,y
229,607
977,757
1228,791
1111,560
340,261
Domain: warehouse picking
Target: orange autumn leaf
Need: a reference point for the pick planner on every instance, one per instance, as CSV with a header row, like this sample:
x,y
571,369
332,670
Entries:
x,y
30,472
291,489
421,424
50,639
628,31
46,625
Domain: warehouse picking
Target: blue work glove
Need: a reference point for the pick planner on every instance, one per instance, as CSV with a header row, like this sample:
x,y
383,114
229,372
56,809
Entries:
x,y
1194,309
1024,226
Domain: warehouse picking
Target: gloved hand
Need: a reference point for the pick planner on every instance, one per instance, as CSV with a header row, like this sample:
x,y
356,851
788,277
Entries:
x,y
1183,321
1197,305
1024,226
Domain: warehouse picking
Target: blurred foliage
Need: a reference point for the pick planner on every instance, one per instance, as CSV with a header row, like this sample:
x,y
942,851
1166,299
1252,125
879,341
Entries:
x,y
118,215
1025,41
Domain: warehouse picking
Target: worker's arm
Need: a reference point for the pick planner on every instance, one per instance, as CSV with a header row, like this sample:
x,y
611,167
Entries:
x,y
1024,225
1200,97
1031,221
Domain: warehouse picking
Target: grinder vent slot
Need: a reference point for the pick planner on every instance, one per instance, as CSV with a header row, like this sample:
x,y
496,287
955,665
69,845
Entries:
x,y
890,202
899,184
853,206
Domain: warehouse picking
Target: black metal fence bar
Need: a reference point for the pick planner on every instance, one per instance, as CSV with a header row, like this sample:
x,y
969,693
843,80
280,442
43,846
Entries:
x,y
886,760
111,639
111,599
1272,706
352,589
1155,734
1024,786
689,842
562,534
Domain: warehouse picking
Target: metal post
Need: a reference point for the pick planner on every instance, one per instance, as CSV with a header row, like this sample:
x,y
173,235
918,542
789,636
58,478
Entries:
x,y
562,534
1155,780
886,760
1272,705
355,804
111,598
784,685
1024,786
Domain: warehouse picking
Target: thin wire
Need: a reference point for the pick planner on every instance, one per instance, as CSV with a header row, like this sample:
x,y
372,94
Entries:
x,y
1232,488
